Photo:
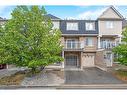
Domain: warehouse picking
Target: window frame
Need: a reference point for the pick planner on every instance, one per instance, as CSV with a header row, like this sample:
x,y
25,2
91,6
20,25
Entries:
x,y
53,22
68,26
93,26
109,24
87,41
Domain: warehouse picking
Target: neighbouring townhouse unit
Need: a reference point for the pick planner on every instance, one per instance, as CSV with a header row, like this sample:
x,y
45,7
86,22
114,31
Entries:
x,y
88,43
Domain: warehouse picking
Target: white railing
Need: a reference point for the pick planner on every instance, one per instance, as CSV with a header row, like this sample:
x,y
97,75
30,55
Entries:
x,y
73,45
108,45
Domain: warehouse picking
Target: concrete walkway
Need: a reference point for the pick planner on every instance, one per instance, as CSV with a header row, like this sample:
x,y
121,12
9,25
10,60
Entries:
x,y
6,72
90,76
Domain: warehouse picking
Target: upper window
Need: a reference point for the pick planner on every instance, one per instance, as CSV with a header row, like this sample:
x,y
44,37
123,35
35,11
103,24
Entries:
x,y
55,25
72,26
90,26
89,41
109,24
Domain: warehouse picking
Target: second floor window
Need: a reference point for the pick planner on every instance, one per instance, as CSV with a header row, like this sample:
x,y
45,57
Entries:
x,y
90,26
109,24
55,25
89,41
72,26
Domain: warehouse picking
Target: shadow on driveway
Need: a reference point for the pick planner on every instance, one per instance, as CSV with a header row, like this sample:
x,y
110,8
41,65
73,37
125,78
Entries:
x,y
90,76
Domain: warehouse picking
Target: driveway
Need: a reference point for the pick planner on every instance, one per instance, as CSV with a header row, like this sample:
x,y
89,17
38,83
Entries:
x,y
90,76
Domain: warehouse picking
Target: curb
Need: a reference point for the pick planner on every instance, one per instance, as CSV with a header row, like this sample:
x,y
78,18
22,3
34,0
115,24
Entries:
x,y
69,86
94,86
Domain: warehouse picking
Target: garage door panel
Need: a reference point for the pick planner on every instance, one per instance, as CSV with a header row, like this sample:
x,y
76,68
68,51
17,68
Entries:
x,y
88,61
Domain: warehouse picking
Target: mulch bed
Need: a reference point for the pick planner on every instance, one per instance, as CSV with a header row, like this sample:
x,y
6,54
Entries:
x,y
121,74
17,78
14,79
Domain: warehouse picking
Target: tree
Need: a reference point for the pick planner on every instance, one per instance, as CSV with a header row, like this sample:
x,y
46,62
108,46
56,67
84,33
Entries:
x,y
28,40
121,50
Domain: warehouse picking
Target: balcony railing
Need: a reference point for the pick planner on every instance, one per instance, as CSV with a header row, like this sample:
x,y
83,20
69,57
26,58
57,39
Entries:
x,y
108,45
73,45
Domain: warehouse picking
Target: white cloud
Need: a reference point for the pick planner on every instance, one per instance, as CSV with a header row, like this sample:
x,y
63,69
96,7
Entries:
x,y
91,14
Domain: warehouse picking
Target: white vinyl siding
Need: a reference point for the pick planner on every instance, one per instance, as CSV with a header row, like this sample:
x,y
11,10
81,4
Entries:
x,y
90,26
72,26
109,24
89,41
56,25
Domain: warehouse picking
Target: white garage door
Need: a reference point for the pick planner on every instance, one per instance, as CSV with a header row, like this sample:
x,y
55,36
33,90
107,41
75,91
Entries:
x,y
88,61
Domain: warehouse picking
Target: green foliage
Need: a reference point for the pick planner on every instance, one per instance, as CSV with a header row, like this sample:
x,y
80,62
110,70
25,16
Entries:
x,y
28,40
121,50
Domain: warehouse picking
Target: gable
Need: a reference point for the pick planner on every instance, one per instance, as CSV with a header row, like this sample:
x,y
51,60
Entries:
x,y
111,13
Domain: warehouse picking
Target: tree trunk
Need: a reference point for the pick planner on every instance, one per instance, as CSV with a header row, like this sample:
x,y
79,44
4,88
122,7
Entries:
x,y
42,68
33,70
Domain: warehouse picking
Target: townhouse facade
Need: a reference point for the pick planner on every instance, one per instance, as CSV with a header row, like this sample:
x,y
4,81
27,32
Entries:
x,y
88,43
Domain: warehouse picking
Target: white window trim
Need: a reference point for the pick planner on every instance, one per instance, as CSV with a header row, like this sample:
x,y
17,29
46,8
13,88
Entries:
x,y
109,24
68,26
89,44
56,25
93,27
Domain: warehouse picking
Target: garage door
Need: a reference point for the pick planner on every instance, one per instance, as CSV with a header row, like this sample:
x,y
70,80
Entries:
x,y
88,61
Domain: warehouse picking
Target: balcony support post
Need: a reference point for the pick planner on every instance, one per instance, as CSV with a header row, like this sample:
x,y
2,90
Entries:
x,y
99,42
63,58
120,39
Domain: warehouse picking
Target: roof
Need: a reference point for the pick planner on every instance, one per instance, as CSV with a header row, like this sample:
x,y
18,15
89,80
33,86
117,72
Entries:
x,y
81,27
53,17
117,12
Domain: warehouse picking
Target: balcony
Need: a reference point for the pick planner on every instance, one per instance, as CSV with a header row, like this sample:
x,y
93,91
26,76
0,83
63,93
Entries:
x,y
73,46
108,45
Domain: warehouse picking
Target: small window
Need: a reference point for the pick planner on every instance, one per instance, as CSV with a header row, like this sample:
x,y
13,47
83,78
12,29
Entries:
x,y
109,24
89,41
55,25
72,26
90,26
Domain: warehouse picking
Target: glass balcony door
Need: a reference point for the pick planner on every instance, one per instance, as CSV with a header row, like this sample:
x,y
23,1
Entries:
x,y
107,44
71,44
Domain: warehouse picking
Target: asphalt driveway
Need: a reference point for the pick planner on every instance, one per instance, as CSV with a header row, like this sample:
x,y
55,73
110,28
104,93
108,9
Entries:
x,y
90,76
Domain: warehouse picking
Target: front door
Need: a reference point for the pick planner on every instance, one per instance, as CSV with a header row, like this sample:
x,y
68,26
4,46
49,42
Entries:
x,y
109,59
71,60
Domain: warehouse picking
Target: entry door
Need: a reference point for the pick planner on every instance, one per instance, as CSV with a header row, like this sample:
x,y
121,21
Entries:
x,y
109,59
71,60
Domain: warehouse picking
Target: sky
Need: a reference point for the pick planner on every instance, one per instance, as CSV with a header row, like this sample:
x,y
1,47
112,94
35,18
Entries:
x,y
69,12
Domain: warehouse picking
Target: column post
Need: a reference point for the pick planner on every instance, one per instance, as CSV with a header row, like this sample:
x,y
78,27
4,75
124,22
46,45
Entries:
x,y
120,36
63,58
98,41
